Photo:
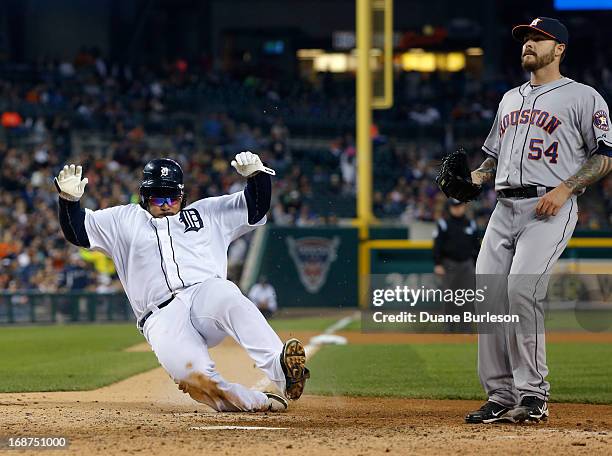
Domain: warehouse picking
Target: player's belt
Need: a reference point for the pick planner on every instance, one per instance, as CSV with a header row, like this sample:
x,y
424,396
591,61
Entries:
x,y
524,192
150,312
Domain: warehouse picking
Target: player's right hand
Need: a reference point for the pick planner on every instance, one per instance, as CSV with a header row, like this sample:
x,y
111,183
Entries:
x,y
69,183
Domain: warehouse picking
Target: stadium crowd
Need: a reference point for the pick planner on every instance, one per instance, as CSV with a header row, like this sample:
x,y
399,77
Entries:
x,y
113,119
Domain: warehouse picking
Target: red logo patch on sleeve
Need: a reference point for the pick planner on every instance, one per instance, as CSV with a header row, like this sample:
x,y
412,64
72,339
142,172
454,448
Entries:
x,y
600,120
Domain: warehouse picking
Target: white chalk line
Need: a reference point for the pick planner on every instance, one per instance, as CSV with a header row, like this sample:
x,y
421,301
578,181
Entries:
x,y
236,428
342,323
312,348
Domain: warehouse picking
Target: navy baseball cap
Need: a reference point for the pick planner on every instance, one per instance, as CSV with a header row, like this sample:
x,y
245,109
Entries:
x,y
454,202
548,26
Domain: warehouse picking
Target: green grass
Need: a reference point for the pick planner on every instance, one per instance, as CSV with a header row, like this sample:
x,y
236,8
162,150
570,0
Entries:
x,y
354,325
85,357
579,320
557,320
303,324
69,358
579,372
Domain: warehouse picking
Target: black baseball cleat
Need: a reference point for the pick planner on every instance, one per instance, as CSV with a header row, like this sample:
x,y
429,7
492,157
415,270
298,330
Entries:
x,y
293,362
532,409
490,412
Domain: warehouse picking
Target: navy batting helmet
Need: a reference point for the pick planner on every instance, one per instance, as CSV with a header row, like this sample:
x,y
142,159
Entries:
x,y
161,177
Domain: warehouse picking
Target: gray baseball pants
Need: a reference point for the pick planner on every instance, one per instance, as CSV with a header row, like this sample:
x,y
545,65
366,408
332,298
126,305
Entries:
x,y
516,257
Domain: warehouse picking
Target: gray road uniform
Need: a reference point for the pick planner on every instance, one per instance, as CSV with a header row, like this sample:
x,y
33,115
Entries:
x,y
542,135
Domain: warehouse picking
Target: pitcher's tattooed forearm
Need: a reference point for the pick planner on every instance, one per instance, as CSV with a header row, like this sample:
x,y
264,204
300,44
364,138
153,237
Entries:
x,y
595,168
486,172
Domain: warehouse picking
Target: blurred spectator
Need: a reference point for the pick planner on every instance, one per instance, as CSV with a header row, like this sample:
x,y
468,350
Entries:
x,y
113,118
263,296
235,258
78,276
11,120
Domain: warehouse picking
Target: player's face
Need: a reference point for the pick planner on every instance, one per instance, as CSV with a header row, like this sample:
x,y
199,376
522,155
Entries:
x,y
538,51
162,207
457,210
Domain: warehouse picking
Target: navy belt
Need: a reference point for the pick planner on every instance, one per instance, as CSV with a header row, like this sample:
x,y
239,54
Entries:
x,y
523,192
150,312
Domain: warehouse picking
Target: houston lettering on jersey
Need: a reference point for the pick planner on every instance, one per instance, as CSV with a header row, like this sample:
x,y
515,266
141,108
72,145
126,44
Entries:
x,y
537,117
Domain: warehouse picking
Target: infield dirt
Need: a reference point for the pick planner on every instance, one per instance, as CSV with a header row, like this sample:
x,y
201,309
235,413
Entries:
x,y
147,414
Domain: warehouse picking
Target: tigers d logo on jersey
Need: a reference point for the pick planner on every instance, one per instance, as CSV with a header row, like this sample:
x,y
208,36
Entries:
x,y
191,219
600,120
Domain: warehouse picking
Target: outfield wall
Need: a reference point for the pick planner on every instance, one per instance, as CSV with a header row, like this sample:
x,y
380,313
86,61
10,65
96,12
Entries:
x,y
309,267
37,307
319,267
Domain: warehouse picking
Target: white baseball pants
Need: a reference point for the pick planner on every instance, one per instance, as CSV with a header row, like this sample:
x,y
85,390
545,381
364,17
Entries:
x,y
200,317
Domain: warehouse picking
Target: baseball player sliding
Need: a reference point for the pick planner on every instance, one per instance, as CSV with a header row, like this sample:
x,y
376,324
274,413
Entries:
x,y
548,143
171,258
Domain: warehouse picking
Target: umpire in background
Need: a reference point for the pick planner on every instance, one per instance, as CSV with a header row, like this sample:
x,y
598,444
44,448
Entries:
x,y
455,250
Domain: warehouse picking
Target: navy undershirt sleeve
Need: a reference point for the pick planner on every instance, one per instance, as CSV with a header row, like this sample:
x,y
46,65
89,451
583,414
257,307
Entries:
x,y
604,150
258,193
72,221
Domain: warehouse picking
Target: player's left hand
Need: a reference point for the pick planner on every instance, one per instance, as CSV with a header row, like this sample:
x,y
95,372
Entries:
x,y
248,164
550,203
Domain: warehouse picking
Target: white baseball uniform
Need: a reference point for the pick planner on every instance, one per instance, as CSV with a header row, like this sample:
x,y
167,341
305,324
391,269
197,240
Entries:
x,y
541,136
185,255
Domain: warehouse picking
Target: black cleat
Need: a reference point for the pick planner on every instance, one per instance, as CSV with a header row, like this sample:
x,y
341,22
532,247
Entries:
x,y
532,409
293,362
490,412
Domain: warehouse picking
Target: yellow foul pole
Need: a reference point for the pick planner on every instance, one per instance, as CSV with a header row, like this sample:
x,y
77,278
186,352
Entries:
x,y
364,117
364,140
